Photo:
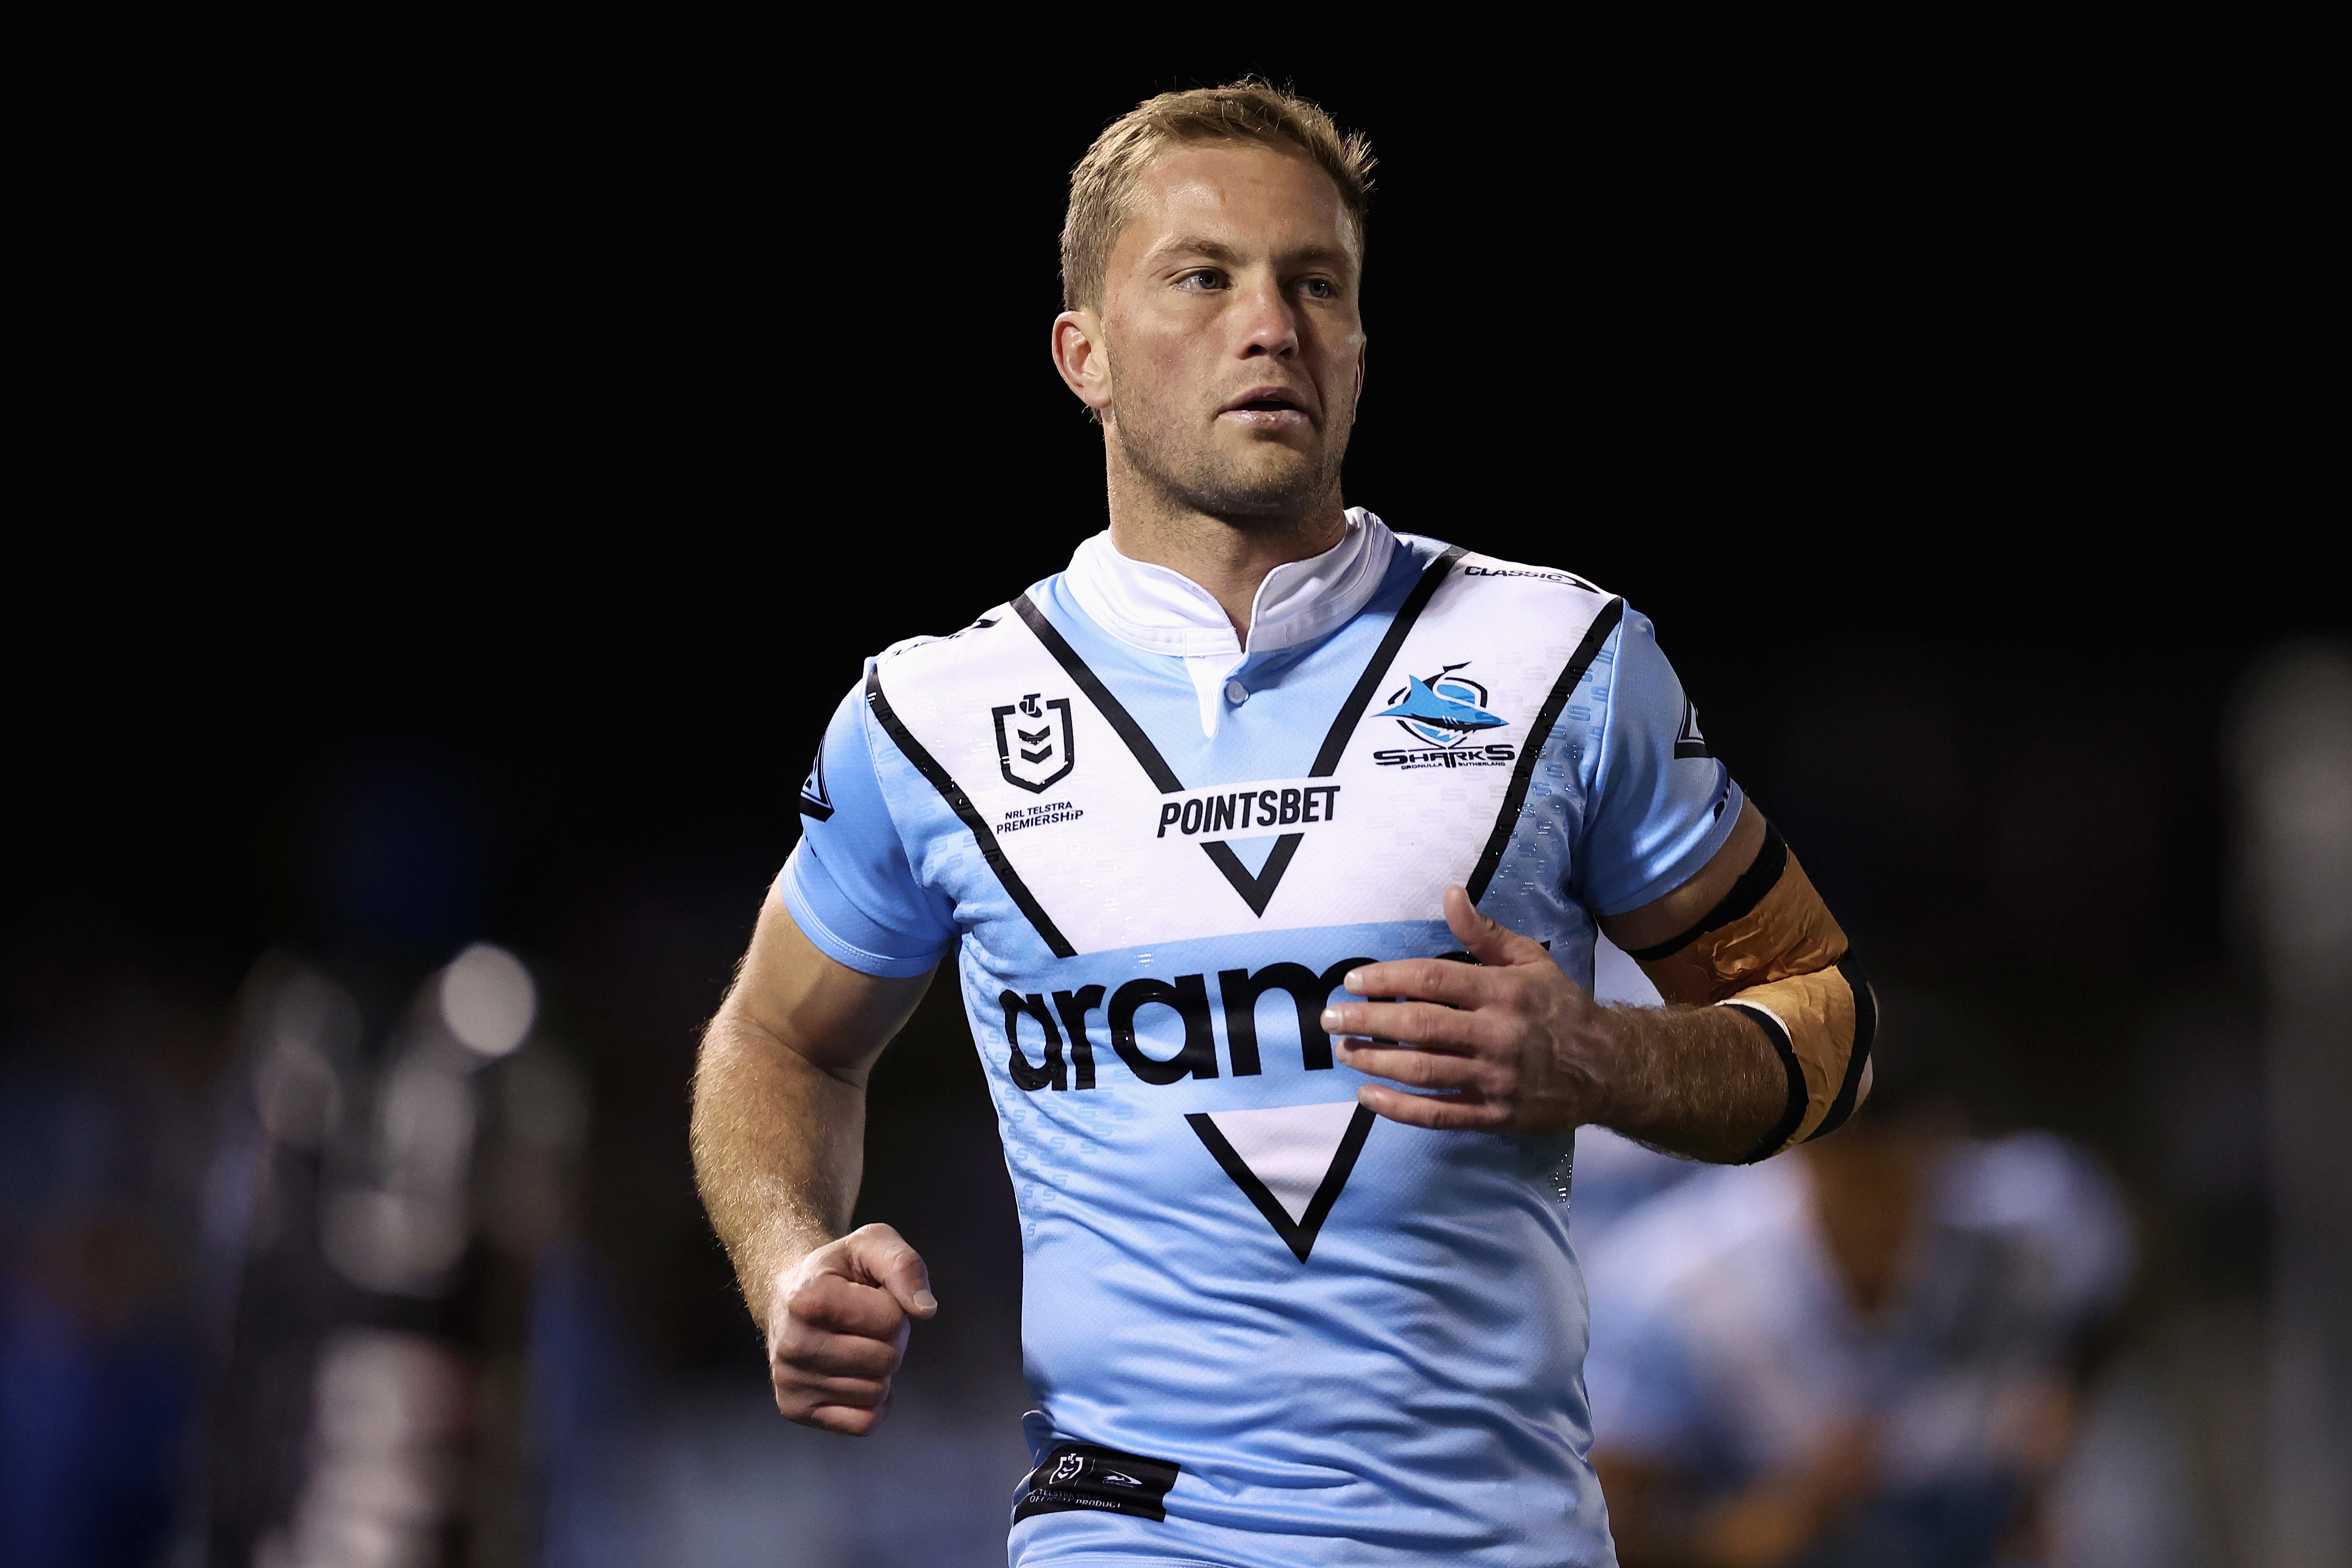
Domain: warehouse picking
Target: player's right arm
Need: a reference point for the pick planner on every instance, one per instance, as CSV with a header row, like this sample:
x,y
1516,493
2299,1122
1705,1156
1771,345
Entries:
x,y
846,944
778,1134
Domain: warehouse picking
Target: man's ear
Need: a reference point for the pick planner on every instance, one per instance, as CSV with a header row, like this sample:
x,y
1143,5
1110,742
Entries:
x,y
1079,358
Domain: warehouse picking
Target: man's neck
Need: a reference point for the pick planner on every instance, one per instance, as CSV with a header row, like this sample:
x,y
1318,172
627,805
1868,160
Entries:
x,y
1228,559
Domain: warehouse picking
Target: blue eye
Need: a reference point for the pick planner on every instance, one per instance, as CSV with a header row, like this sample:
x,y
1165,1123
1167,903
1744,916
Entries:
x,y
1202,278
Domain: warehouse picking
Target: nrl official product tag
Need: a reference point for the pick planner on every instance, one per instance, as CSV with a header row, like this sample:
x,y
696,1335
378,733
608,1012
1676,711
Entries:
x,y
1080,1476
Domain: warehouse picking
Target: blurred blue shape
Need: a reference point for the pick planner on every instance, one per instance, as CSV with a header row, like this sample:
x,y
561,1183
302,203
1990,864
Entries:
x,y
95,1393
1884,1325
1612,1177
586,1400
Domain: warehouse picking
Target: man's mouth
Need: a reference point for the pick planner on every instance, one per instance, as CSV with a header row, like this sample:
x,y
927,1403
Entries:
x,y
1267,405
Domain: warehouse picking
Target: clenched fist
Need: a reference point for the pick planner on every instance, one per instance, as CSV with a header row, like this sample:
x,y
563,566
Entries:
x,y
837,1329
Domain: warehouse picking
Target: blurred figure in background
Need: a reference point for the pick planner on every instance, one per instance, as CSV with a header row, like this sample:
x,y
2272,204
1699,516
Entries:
x,y
375,1221
1860,1357
98,1367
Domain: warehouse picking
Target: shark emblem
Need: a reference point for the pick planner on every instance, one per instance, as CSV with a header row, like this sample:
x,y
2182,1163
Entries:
x,y
1444,709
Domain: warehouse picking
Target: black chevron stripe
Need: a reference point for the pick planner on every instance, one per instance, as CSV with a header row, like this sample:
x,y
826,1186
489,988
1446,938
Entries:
x,y
1524,774
1155,766
960,803
1351,711
1297,1235
1257,891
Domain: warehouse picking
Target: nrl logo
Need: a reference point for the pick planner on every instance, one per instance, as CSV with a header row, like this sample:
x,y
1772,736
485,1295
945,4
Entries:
x,y
1034,750
1444,709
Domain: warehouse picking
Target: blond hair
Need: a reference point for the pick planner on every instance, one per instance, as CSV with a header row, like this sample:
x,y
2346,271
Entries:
x,y
1103,185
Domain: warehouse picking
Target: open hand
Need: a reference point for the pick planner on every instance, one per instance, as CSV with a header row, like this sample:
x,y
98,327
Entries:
x,y
1510,1045
838,1329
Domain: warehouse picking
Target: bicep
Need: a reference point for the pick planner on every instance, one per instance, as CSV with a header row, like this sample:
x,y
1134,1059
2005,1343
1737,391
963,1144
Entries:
x,y
837,1017
849,937
1662,918
851,885
1655,805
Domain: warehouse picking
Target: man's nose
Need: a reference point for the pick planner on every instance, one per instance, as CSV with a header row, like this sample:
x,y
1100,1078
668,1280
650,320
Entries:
x,y
1269,327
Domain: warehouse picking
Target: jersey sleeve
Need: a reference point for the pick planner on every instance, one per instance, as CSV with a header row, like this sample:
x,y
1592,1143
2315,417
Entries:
x,y
1657,802
849,884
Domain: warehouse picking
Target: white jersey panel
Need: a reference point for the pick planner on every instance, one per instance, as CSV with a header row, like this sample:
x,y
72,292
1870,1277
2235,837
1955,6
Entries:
x,y
1416,789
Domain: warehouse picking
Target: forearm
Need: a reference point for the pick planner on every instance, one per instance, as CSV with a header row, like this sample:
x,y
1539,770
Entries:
x,y
777,1150
1703,1082
1770,948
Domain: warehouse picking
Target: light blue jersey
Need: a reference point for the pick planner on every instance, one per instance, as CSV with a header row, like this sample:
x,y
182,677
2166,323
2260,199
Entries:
x,y
1263,1327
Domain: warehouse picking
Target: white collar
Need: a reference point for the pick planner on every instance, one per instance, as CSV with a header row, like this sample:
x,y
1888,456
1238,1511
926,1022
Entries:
x,y
1163,611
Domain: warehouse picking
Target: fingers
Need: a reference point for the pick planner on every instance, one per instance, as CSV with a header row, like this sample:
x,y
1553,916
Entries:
x,y
868,1282
843,1330
857,1393
885,1260
1465,1034
1426,979
1497,948
833,1381
852,1417
845,1306
1423,1069
839,1383
1424,1023
1443,1114
815,1353
1489,941
848,1422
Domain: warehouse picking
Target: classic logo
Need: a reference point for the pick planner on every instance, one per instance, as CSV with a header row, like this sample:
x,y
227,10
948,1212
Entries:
x,y
1034,749
1444,710
1570,578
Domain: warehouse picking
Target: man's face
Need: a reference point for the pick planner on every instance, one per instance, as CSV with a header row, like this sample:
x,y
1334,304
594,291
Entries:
x,y
1235,343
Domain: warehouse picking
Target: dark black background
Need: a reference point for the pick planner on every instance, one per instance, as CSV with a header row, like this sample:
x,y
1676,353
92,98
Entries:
x,y
476,471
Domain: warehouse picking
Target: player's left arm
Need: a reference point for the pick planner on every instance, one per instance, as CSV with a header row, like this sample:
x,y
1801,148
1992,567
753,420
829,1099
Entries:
x,y
1512,1045
1765,1039
1749,936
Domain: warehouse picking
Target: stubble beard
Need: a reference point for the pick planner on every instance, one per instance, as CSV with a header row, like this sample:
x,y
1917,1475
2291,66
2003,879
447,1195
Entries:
x,y
1291,490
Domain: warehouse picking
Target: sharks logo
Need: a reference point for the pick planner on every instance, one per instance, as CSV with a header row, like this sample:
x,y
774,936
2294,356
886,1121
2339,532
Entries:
x,y
1035,745
1071,1466
1444,709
